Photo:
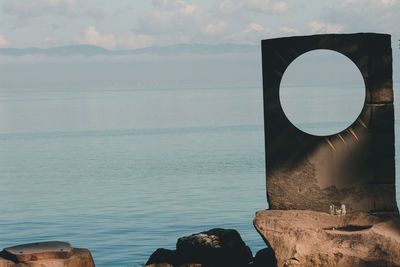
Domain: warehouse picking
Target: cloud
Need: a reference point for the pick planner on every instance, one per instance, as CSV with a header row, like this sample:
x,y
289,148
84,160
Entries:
x,y
288,30
374,3
168,16
388,2
215,29
24,11
229,6
251,33
179,21
267,6
166,22
130,41
262,6
366,15
93,37
3,41
324,27
27,9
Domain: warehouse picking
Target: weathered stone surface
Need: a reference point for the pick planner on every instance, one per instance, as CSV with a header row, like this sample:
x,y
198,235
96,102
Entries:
x,y
46,254
216,247
39,251
355,167
309,238
213,248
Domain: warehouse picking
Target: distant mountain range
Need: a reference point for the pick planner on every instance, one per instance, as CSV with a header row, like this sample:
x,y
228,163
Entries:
x,y
91,50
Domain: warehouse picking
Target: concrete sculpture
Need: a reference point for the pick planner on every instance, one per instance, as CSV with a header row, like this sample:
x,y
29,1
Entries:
x,y
355,167
332,198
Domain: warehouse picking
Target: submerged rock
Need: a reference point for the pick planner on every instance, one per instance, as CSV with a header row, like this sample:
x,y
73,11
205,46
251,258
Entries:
x,y
46,254
216,247
310,238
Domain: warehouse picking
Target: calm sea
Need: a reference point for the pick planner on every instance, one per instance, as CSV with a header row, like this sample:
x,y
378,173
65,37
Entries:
x,y
124,172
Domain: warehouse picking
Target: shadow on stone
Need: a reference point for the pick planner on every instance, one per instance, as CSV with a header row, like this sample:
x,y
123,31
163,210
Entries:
x,y
163,258
265,258
350,228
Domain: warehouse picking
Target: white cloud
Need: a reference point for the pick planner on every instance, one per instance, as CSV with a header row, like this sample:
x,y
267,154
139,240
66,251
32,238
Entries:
x,y
179,21
388,2
373,3
214,29
288,30
366,15
93,37
324,27
267,6
3,41
263,6
229,6
165,22
26,9
253,33
168,16
110,41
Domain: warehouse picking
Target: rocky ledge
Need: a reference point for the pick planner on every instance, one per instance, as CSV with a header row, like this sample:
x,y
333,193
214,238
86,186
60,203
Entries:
x,y
46,254
308,238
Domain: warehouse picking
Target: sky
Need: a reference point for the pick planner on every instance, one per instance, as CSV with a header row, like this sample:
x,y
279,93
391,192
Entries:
x,y
130,24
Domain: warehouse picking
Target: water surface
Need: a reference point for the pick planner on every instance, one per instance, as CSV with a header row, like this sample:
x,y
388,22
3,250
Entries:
x,y
124,172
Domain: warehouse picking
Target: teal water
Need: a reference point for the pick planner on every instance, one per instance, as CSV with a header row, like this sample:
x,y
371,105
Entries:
x,y
124,172
73,168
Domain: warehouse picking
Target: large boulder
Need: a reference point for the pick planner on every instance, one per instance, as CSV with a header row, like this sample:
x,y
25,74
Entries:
x,y
213,248
46,254
310,238
216,247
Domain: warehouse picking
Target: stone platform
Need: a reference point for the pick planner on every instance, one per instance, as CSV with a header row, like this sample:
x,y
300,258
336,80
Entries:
x,y
46,254
309,238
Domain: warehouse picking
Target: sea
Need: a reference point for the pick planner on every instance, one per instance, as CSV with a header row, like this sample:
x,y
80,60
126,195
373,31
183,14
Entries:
x,y
125,171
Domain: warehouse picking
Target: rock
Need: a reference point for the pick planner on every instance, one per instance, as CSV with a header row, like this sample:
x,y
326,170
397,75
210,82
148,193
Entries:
x,y
310,238
213,248
162,258
265,258
46,254
216,247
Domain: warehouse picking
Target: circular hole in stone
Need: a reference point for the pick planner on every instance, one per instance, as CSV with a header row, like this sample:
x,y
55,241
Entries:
x,y
322,92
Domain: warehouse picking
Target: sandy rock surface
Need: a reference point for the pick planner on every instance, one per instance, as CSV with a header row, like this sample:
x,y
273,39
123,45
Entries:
x,y
46,254
309,238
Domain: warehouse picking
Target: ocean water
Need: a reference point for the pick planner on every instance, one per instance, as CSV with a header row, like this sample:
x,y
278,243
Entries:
x,y
124,172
